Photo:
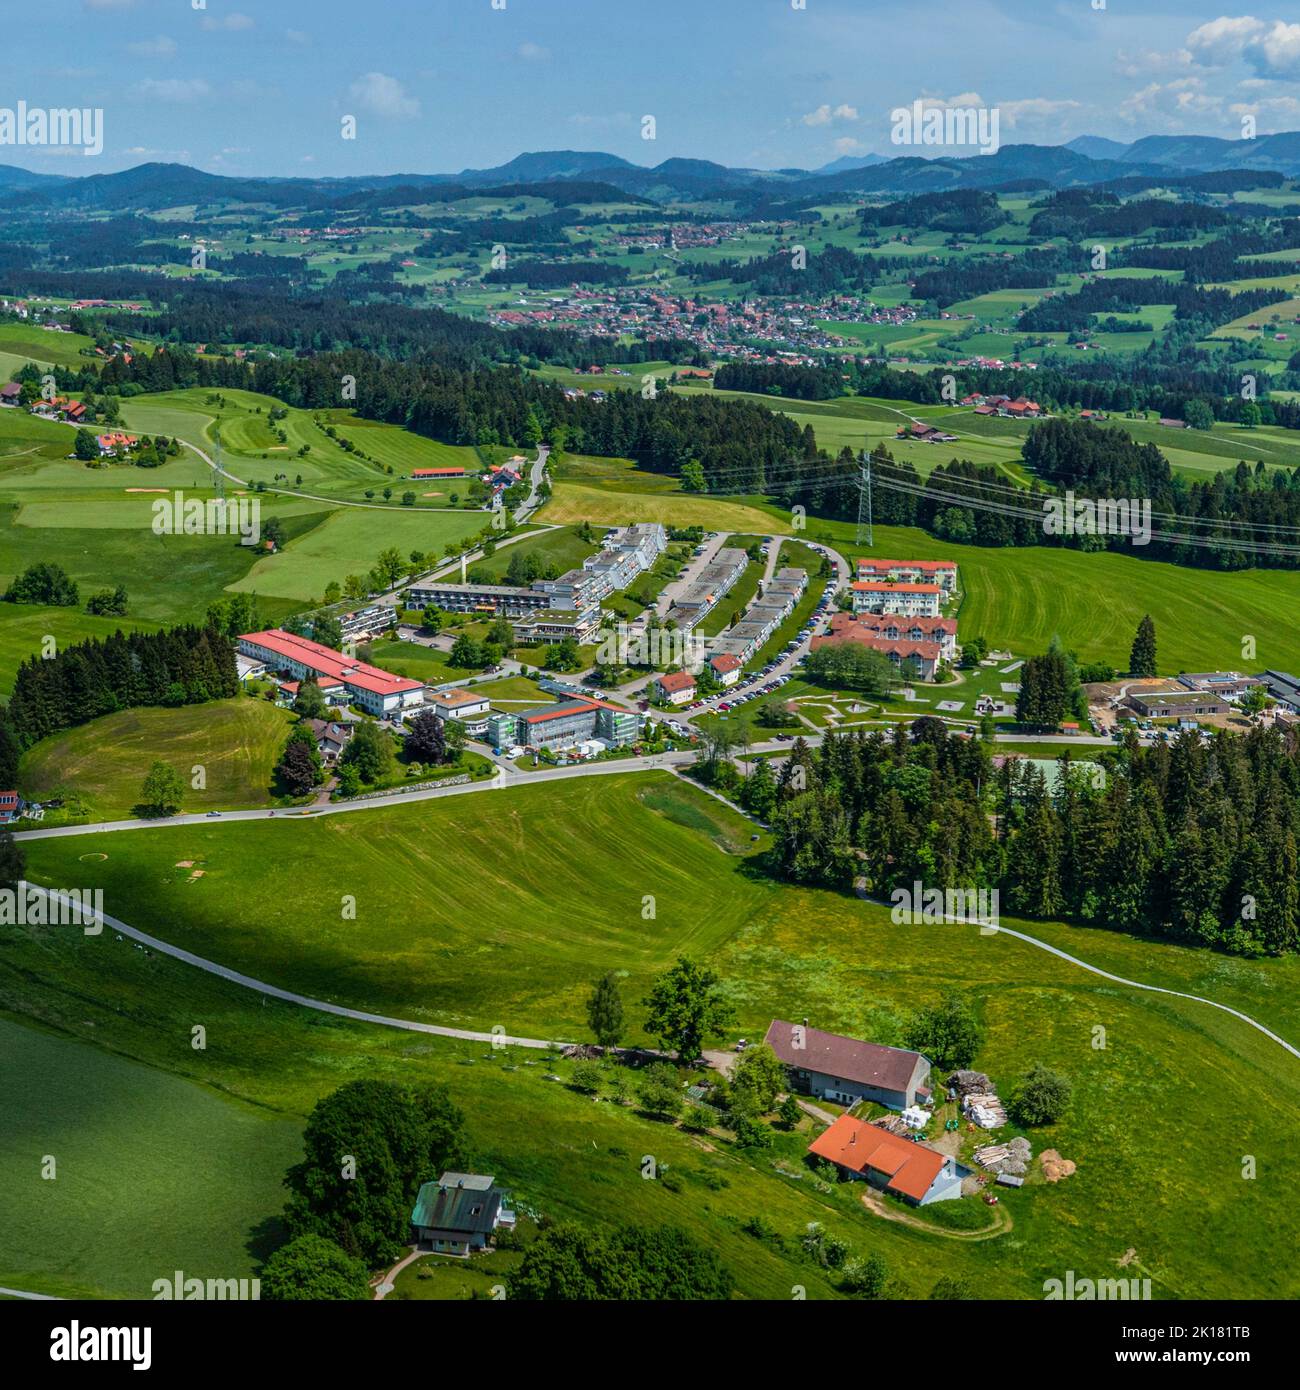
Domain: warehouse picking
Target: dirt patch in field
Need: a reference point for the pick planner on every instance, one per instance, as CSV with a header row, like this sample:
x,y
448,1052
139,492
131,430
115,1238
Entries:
x,y
184,863
1054,1166
147,489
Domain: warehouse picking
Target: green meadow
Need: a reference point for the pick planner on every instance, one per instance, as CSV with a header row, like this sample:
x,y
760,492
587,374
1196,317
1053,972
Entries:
x,y
237,744
152,1173
442,937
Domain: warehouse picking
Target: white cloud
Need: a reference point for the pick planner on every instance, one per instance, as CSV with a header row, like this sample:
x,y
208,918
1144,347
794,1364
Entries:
x,y
382,95
846,144
1224,39
161,47
826,114
1272,49
109,4
231,23
533,52
174,90
1034,109
1171,103
297,37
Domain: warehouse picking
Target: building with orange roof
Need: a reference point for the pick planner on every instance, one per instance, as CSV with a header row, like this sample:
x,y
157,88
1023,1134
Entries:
x,y
910,1170
904,600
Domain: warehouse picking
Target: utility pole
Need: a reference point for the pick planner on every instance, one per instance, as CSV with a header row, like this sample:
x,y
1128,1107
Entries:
x,y
866,535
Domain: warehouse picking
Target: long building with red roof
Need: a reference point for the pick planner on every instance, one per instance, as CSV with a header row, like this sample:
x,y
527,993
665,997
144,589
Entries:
x,y
375,691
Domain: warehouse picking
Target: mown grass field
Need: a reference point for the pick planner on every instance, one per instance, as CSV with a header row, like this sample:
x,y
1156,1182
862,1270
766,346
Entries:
x,y
153,1173
348,541
251,449
1146,1127
236,743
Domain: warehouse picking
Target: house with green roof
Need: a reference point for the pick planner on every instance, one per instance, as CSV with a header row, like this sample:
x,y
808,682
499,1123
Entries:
x,y
459,1213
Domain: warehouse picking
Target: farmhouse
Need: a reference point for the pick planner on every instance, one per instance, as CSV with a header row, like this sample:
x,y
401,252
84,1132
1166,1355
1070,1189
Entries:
x,y
677,687
903,600
111,443
459,1213
845,1070
10,394
912,1171
375,691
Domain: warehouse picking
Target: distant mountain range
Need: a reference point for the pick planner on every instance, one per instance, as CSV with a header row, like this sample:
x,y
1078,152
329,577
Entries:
x,y
1089,159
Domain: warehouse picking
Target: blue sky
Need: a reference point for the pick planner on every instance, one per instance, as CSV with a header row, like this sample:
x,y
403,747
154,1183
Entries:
x,y
261,86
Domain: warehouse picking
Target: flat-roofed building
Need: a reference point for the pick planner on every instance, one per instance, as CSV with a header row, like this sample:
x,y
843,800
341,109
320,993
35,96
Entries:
x,y
469,707
1162,704
505,600
556,624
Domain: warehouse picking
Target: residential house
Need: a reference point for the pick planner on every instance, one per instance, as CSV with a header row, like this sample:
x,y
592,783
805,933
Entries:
x,y
459,1213
11,807
677,687
915,1172
726,668
11,394
331,738
846,1070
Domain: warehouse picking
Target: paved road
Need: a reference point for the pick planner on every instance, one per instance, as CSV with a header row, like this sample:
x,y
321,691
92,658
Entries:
x,y
36,1297
165,948
506,775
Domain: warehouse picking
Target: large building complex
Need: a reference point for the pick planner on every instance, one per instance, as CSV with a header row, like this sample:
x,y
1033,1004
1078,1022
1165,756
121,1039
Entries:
x,y
699,599
575,724
375,691
551,609
940,572
763,616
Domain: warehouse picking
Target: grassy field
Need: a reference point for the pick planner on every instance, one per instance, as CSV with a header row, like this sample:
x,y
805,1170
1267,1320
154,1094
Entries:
x,y
28,630
564,548
154,1173
348,541
236,742
252,449
1145,1127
